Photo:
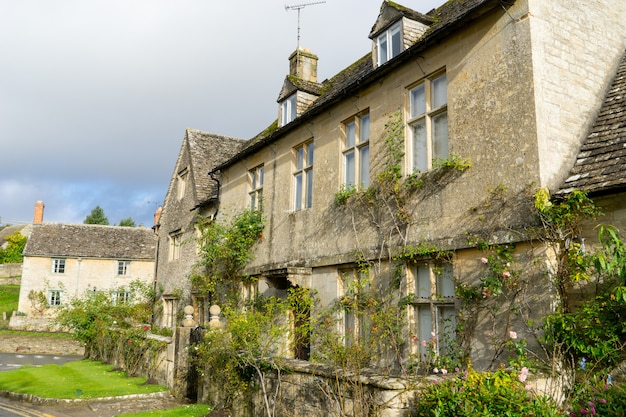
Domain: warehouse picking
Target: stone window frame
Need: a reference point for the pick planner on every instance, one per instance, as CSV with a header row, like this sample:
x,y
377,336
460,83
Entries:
x,y
357,144
256,178
58,265
302,172
350,327
182,179
429,311
175,242
431,146
170,310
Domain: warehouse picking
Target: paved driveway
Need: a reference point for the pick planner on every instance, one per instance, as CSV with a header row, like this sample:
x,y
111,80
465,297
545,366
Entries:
x,y
10,361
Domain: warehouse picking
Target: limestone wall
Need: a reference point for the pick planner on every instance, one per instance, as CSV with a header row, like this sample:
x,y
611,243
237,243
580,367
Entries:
x,y
313,391
576,47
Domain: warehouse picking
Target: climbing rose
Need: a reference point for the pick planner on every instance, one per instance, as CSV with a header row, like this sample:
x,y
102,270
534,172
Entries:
x,y
513,335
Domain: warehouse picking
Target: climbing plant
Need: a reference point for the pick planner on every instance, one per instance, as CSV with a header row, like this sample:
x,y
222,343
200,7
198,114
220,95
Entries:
x,y
225,250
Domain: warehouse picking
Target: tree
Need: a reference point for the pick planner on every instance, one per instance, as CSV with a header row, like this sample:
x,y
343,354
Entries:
x,y
14,249
129,222
96,217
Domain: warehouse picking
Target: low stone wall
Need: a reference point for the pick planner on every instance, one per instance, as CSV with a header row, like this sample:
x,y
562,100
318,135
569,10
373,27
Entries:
x,y
10,271
311,390
36,324
44,345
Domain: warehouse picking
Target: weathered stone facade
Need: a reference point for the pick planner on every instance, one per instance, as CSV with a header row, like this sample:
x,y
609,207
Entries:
x,y
524,80
523,84
191,194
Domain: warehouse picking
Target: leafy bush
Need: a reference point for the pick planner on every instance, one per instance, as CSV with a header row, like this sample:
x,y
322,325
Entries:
x,y
14,249
476,394
594,396
108,328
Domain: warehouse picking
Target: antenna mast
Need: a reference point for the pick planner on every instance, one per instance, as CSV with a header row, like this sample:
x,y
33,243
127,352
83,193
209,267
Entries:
x,y
299,7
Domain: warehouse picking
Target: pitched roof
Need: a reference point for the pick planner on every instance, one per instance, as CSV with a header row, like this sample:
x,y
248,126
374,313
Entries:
x,y
91,241
391,12
449,17
206,151
601,163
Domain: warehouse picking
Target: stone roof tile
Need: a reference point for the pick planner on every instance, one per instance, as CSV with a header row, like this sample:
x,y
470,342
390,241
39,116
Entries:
x,y
601,163
207,150
91,241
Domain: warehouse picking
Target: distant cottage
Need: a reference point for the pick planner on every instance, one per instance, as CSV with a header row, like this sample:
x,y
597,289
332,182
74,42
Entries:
x,y
63,261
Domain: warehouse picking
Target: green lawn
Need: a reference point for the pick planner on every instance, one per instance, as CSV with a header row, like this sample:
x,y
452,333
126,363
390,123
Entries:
x,y
79,379
9,295
192,410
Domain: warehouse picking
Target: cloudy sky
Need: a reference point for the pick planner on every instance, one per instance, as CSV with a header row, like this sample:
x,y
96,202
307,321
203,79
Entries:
x,y
95,95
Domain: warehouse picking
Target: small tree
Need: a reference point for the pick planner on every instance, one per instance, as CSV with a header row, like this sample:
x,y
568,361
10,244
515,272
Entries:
x,y
128,222
96,217
14,249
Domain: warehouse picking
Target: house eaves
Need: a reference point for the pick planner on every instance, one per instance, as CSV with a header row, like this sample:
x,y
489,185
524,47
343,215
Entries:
x,y
448,18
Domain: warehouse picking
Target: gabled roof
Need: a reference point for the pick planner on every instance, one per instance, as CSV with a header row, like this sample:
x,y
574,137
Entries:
x,y
293,84
91,241
601,164
391,12
206,151
448,18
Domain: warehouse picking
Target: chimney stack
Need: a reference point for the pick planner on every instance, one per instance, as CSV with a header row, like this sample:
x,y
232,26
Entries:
x,y
157,215
303,64
38,218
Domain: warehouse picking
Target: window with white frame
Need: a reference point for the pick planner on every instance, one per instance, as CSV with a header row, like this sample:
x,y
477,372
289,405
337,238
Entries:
x,y
428,122
303,176
175,239
356,153
123,268
433,307
353,284
288,110
121,297
54,298
58,266
256,176
389,43
182,183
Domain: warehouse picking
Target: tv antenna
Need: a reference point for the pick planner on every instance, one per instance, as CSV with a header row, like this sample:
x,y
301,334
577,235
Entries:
x,y
299,7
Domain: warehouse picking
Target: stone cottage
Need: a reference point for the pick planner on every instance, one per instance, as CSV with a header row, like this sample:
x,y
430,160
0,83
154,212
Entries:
x,y
192,194
433,143
512,88
63,261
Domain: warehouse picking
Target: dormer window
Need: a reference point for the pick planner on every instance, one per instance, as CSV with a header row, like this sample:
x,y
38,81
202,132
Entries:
x,y
288,110
389,43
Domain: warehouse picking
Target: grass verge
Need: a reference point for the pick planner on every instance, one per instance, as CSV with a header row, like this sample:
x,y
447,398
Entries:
x,y
78,379
192,410
9,297
36,334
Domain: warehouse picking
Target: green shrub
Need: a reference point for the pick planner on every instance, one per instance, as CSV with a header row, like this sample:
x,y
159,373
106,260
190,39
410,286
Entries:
x,y
476,394
594,396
